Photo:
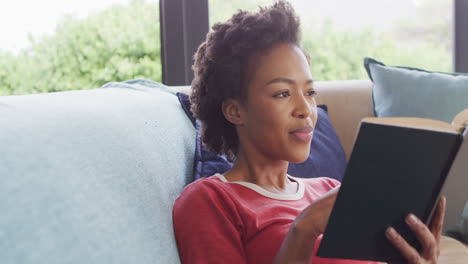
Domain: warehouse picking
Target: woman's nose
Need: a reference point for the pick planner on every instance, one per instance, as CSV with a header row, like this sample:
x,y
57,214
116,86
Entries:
x,y
303,106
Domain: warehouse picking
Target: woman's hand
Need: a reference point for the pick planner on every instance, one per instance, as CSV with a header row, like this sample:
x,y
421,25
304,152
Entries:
x,y
429,237
314,218
299,243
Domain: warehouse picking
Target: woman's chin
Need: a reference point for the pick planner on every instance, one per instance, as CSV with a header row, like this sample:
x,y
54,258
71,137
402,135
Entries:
x,y
299,158
299,152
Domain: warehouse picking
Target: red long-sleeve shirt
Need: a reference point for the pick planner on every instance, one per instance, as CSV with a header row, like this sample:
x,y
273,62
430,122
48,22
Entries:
x,y
216,221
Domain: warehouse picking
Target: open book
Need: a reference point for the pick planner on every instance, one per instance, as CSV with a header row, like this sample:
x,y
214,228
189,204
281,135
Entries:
x,y
398,166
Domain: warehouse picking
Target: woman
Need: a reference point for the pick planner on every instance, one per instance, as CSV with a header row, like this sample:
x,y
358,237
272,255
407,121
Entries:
x,y
254,94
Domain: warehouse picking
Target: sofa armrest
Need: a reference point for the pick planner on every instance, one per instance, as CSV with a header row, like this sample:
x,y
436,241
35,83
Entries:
x,y
452,251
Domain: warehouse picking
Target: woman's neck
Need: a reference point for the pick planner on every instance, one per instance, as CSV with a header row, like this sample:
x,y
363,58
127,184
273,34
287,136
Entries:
x,y
270,175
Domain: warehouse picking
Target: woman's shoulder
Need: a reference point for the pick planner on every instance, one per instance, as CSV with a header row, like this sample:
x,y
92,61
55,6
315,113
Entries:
x,y
204,183
203,197
202,190
321,184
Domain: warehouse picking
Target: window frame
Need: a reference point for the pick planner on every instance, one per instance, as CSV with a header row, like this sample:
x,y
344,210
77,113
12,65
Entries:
x,y
184,25
460,36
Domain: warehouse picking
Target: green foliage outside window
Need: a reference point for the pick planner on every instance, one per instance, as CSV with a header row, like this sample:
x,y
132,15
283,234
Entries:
x,y
122,43
338,55
117,44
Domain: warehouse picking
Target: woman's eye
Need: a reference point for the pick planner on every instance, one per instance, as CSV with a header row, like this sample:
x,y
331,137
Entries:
x,y
282,94
312,93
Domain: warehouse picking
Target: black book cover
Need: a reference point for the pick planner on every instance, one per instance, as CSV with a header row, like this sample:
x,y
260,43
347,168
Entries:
x,y
392,171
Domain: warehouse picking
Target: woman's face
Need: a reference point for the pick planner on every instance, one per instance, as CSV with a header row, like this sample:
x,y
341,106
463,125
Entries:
x,y
280,113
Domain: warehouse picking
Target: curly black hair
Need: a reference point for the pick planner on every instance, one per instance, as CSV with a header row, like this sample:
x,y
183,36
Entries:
x,y
221,62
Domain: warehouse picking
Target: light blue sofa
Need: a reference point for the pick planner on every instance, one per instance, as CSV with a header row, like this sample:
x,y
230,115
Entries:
x,y
91,176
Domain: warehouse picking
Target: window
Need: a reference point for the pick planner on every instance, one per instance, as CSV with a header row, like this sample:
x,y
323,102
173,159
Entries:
x,y
338,34
81,44
77,44
222,10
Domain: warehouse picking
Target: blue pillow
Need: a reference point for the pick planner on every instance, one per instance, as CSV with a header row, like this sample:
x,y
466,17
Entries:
x,y
326,158
405,91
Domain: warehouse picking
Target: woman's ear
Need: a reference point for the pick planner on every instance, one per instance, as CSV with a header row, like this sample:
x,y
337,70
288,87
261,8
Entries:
x,y
232,111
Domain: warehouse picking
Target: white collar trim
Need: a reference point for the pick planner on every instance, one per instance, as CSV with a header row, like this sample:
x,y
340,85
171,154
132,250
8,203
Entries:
x,y
296,196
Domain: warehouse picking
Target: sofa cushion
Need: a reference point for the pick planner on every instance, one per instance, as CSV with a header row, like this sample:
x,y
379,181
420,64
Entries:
x,y
406,91
91,176
326,158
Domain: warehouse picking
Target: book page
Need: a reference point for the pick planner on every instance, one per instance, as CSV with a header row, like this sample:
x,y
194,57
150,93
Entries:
x,y
413,122
460,120
456,186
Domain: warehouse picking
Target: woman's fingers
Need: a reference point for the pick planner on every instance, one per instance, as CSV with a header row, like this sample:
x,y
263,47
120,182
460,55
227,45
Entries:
x,y
424,235
314,218
429,237
408,252
438,219
331,195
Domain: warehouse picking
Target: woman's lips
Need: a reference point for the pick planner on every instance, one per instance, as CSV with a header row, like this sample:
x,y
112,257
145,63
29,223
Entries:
x,y
303,134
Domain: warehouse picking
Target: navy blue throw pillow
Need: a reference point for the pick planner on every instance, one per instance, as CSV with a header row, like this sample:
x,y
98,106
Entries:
x,y
326,157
